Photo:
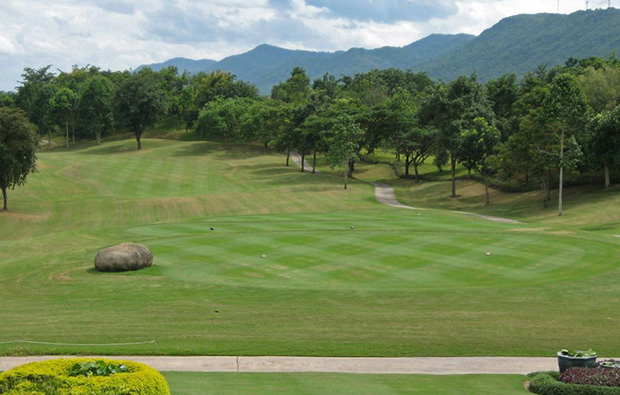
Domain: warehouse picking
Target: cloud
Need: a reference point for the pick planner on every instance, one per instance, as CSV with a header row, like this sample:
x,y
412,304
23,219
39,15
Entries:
x,y
123,34
387,11
116,6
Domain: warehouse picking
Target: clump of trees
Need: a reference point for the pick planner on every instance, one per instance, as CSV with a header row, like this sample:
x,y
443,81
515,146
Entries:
x,y
549,126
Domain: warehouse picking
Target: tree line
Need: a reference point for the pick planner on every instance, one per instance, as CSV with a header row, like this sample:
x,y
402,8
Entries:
x,y
548,127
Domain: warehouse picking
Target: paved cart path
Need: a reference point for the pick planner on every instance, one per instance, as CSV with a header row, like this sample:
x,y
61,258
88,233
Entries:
x,y
421,365
297,160
385,194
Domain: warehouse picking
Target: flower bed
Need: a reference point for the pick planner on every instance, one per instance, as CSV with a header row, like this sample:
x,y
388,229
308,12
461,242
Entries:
x,y
55,377
548,383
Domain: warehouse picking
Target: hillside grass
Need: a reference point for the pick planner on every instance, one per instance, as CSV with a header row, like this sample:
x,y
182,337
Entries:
x,y
401,283
321,383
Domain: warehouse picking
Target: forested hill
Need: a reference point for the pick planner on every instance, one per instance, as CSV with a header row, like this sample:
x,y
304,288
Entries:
x,y
514,45
520,43
266,65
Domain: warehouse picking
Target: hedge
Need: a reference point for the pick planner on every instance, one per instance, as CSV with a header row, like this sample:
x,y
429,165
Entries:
x,y
546,383
52,378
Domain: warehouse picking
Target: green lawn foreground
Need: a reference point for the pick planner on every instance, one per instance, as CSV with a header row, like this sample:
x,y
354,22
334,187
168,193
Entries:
x,y
401,283
341,384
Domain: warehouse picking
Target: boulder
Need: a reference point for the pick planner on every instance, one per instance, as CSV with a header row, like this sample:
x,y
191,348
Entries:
x,y
124,257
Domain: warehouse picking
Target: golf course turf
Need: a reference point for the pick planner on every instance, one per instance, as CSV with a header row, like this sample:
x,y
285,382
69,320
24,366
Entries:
x,y
314,383
401,283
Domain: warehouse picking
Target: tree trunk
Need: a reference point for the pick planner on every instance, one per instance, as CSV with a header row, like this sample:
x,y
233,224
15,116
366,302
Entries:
x,y
5,199
138,135
351,167
486,189
49,137
453,166
606,169
288,157
415,170
407,164
346,175
544,183
67,130
469,173
561,186
98,136
314,163
303,163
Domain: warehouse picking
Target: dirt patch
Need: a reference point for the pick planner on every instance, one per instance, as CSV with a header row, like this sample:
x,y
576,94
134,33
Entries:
x,y
26,217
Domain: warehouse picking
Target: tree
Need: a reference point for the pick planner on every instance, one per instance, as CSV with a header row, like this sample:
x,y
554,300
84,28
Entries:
x,y
602,87
33,96
343,146
96,106
223,117
605,143
399,118
62,108
565,110
18,145
296,89
140,103
187,106
7,99
451,109
477,149
502,94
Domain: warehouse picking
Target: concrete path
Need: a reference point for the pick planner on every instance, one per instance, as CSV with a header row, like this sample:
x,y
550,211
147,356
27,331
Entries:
x,y
385,194
297,160
433,366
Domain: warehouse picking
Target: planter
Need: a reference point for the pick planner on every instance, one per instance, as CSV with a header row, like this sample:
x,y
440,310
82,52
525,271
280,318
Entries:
x,y
566,362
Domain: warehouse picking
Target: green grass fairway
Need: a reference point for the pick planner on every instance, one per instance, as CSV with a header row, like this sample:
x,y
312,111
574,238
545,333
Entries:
x,y
401,283
341,384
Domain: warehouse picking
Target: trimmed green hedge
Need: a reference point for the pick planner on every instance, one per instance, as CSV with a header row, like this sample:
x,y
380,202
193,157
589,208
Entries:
x,y
546,383
52,378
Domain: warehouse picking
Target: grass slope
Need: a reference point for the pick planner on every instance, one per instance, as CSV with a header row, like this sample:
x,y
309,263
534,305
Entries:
x,y
402,283
311,383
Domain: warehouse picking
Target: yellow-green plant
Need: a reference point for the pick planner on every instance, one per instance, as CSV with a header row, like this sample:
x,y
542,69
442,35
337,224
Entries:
x,y
54,378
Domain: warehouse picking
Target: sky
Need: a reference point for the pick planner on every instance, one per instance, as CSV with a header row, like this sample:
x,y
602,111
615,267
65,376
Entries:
x,y
123,34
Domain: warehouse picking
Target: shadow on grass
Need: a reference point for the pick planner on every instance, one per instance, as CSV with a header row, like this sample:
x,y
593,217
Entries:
x,y
111,149
231,151
153,270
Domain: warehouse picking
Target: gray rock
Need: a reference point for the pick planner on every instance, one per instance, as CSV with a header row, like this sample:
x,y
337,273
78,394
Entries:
x,y
124,257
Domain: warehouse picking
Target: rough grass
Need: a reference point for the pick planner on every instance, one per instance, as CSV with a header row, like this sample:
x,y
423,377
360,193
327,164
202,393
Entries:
x,y
399,284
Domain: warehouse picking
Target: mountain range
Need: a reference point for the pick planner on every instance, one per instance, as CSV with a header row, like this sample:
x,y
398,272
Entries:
x,y
516,44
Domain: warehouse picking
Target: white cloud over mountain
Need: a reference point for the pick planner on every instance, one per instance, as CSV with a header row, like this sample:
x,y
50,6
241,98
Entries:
x,y
120,34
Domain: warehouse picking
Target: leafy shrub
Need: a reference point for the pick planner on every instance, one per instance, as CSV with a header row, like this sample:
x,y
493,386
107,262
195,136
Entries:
x,y
578,353
96,368
609,363
547,383
53,378
593,376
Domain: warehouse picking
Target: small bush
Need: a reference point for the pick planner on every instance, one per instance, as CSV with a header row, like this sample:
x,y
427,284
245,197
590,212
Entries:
x,y
547,383
53,378
608,377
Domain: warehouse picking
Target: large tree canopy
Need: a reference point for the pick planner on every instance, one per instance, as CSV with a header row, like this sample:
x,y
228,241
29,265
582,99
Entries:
x,y
18,144
140,103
